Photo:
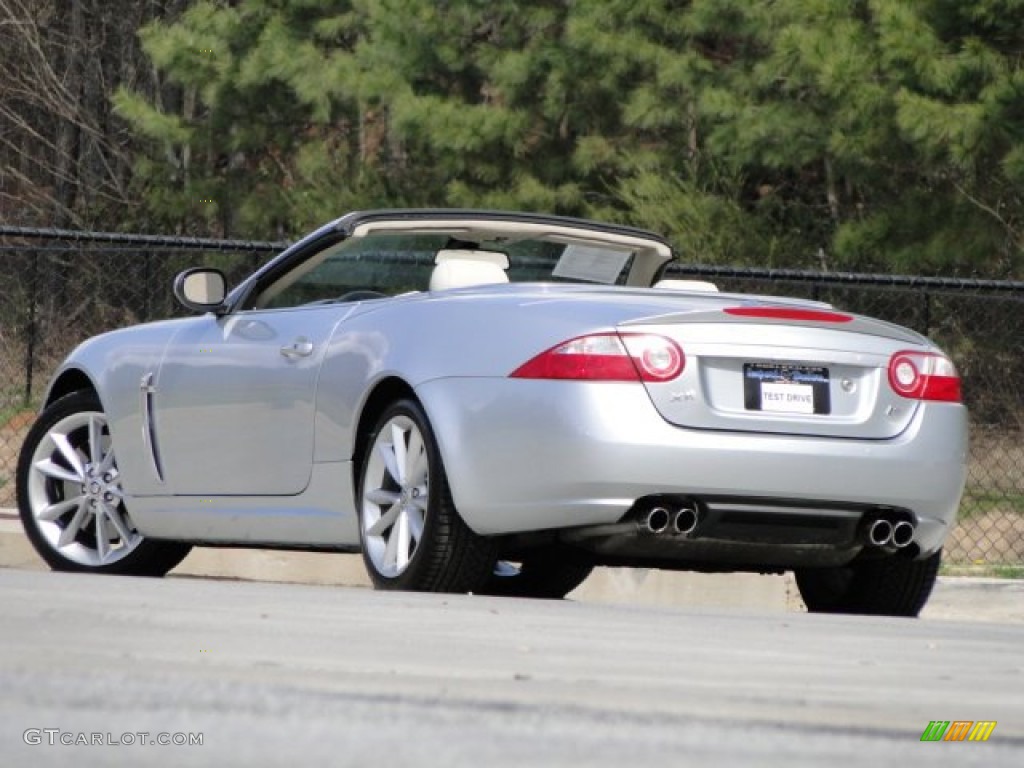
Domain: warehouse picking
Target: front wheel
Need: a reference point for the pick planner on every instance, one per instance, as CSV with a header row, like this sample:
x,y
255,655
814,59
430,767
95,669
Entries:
x,y
412,536
71,501
892,586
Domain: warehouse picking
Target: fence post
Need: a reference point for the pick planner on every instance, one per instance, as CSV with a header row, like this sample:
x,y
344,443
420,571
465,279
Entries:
x,y
147,285
927,314
31,328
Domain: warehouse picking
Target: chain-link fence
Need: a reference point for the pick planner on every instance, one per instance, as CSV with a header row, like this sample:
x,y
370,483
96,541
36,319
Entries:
x,y
60,288
63,287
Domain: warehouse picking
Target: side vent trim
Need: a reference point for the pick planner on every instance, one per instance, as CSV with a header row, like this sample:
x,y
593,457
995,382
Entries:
x,y
147,394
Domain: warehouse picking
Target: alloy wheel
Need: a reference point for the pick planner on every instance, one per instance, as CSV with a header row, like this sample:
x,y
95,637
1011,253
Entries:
x,y
396,496
74,493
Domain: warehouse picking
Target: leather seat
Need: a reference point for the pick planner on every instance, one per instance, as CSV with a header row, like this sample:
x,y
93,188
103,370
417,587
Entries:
x,y
462,268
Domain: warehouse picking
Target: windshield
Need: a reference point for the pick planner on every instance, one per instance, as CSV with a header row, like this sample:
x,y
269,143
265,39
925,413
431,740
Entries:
x,y
391,264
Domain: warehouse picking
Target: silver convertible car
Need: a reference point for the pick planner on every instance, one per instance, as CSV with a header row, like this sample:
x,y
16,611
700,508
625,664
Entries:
x,y
497,403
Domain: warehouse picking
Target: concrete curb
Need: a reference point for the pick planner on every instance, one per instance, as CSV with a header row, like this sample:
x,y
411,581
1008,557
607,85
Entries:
x,y
954,598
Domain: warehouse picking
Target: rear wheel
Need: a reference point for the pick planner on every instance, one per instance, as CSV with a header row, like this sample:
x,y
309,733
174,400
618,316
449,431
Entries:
x,y
412,536
70,497
547,574
892,586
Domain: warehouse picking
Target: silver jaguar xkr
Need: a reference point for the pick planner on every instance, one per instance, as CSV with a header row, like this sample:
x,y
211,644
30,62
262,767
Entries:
x,y
498,403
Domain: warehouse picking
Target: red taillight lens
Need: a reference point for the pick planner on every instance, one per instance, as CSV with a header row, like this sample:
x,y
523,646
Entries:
x,y
789,313
656,358
924,376
608,357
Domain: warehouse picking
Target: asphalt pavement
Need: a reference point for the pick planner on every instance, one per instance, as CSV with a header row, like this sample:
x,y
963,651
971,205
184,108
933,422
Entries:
x,y
270,674
958,598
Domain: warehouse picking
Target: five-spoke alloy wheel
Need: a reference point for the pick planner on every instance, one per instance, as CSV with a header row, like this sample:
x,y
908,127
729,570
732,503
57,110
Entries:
x,y
412,535
394,510
70,496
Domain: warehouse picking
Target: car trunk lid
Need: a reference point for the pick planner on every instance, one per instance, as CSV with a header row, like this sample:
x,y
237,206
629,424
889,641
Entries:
x,y
782,369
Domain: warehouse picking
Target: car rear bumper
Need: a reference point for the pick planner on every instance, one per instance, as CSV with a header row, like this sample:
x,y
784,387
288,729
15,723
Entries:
x,y
526,455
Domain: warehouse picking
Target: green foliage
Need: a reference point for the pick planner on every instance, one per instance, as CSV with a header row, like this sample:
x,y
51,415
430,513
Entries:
x,y
866,134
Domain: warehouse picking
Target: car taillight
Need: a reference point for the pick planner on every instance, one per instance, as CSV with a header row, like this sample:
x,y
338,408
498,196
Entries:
x,y
789,313
924,376
608,357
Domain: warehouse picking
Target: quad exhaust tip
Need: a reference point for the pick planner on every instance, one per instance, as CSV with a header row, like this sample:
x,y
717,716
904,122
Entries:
x,y
659,520
656,520
880,533
885,533
685,521
902,534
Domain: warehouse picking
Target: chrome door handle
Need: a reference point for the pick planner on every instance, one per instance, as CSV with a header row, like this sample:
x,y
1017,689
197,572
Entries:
x,y
301,347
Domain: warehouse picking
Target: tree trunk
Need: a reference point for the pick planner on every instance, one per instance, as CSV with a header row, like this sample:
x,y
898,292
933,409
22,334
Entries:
x,y
69,130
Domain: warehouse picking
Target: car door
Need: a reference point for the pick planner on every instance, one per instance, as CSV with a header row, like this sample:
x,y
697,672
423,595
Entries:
x,y
234,399
233,404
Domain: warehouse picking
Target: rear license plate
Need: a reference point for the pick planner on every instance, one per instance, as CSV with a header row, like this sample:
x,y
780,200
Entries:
x,y
784,388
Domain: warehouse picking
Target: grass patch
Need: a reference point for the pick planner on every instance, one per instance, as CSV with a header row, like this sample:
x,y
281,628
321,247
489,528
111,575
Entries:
x,y
983,570
977,502
9,412
12,402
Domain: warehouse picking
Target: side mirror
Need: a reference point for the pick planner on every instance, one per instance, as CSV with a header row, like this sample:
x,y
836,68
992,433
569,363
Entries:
x,y
201,289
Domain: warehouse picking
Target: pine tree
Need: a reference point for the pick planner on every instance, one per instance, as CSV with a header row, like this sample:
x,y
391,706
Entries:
x,y
264,134
865,134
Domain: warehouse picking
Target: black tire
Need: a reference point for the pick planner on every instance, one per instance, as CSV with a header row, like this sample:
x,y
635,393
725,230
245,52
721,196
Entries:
x,y
130,556
546,575
892,586
448,556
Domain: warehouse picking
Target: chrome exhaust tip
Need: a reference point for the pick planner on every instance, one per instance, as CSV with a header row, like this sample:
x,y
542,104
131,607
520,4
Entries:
x,y
685,521
902,534
656,520
880,533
